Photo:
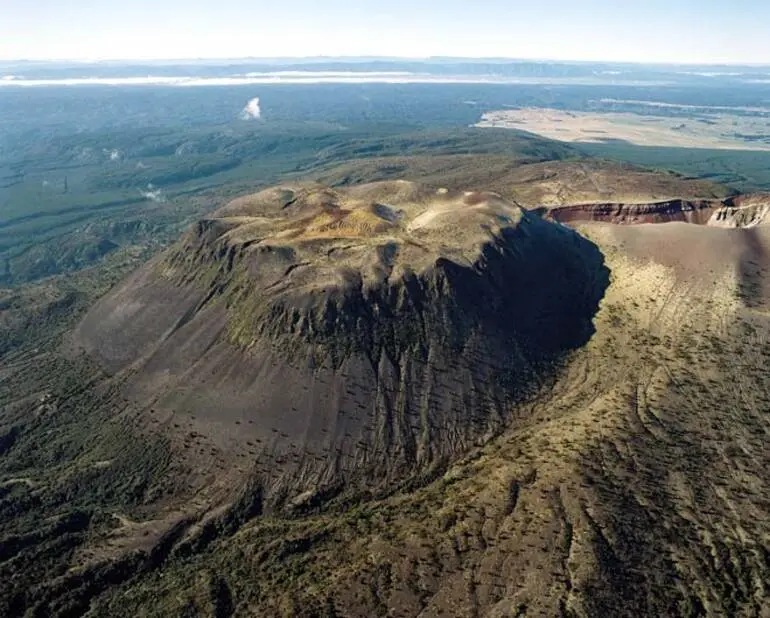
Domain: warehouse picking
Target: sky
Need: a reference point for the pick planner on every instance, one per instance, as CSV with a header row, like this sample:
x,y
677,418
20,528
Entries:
x,y
677,31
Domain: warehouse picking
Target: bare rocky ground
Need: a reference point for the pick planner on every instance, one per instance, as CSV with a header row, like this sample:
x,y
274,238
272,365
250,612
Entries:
x,y
632,480
534,184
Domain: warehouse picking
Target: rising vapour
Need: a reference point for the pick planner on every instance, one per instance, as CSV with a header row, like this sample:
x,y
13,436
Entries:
x,y
252,110
153,194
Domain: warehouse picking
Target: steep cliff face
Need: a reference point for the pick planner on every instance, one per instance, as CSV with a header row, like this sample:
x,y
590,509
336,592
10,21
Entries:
x,y
698,212
349,339
741,211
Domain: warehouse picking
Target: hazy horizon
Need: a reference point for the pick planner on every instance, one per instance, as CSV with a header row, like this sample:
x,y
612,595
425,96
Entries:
x,y
300,59
658,32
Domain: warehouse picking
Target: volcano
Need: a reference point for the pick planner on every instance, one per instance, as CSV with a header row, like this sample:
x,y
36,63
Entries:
x,y
348,340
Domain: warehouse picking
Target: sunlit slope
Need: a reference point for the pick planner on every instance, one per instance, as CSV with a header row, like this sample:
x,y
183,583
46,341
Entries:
x,y
531,183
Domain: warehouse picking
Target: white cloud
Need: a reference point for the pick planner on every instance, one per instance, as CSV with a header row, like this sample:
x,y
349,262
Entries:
x,y
252,110
153,194
320,77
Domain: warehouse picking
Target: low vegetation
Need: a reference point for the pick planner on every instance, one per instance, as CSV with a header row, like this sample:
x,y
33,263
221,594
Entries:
x,y
631,479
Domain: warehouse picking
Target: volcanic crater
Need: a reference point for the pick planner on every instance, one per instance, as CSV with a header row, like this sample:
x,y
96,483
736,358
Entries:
x,y
348,340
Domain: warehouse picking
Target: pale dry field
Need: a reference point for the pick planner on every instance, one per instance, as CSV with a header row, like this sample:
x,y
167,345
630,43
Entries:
x,y
718,130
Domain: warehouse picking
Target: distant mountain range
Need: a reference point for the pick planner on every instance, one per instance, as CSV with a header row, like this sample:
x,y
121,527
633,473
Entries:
x,y
485,69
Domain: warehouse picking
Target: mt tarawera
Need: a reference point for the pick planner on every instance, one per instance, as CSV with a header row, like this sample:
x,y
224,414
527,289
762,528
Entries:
x,y
401,399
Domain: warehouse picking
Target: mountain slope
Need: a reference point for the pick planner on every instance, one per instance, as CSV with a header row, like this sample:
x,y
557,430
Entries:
x,y
635,486
395,400
408,321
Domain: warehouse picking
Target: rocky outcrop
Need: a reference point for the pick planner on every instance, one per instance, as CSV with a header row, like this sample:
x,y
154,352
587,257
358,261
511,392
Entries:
x,y
698,212
741,212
